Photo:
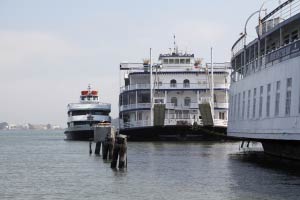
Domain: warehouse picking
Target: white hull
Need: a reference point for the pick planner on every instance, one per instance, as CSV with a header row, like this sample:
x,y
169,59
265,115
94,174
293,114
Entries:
x,y
276,127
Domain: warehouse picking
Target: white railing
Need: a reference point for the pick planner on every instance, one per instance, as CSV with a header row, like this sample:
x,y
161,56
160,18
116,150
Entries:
x,y
80,106
281,13
193,105
79,127
221,105
170,122
89,118
265,61
135,124
205,100
169,86
135,106
173,122
135,87
220,122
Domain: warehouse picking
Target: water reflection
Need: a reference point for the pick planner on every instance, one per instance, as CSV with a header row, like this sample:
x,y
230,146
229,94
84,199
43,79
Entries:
x,y
261,176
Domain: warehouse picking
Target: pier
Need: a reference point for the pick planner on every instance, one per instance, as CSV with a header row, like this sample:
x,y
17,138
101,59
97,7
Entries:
x,y
113,146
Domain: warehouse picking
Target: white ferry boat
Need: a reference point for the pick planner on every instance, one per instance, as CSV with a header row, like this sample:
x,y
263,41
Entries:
x,y
265,87
83,116
178,98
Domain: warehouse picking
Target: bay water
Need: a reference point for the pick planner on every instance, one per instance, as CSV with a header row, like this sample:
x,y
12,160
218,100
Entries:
x,y
42,165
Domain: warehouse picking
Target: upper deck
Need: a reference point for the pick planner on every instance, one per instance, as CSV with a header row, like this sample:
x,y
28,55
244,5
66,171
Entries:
x,y
277,40
89,100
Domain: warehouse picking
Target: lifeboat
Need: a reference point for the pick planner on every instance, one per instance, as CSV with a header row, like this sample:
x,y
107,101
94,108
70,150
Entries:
x,y
85,92
94,92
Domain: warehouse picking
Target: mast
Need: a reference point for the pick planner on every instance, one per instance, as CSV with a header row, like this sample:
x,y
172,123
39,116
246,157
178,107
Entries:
x,y
151,91
212,82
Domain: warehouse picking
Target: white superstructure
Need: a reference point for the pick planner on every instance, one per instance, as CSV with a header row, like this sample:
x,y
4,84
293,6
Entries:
x,y
171,91
265,88
83,116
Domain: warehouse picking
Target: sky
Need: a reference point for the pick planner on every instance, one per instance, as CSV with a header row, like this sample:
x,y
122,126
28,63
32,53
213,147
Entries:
x,y
50,50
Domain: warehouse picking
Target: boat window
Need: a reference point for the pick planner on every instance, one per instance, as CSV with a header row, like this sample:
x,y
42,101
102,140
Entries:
x,y
268,100
173,83
294,35
243,105
159,101
273,46
143,96
289,82
174,101
166,61
221,115
187,101
254,103
186,83
187,61
288,102
239,106
277,98
261,101
248,104
182,61
286,39
176,61
79,112
299,104
288,96
171,61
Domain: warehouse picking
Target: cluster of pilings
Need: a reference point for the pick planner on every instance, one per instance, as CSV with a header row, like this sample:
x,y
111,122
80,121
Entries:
x,y
114,147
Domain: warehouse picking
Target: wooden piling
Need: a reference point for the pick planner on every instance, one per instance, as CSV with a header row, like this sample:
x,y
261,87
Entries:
x,y
97,149
90,146
119,152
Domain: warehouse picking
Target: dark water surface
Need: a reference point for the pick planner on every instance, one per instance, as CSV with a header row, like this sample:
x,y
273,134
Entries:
x,y
42,165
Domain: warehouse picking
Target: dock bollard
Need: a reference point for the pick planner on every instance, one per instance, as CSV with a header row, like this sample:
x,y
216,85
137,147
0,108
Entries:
x,y
120,149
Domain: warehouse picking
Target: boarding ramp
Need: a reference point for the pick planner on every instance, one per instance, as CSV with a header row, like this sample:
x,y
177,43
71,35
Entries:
x,y
159,114
206,111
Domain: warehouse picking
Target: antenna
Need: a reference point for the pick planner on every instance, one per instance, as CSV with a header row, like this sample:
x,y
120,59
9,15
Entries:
x,y
89,87
175,46
174,37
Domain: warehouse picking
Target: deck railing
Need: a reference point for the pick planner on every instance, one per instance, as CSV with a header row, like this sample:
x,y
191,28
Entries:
x,y
169,86
135,106
170,122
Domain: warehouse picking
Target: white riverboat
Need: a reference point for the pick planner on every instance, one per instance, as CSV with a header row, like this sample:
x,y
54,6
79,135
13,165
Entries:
x,y
265,87
165,100
83,116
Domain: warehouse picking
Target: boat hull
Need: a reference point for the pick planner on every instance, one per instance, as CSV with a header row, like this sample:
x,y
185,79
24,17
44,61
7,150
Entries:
x,y
82,135
284,149
175,133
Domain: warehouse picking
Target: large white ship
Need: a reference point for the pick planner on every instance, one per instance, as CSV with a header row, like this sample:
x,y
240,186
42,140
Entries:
x,y
177,98
83,116
265,87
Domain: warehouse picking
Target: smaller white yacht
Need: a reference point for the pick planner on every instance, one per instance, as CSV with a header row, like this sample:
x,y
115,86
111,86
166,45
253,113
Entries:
x,y
83,116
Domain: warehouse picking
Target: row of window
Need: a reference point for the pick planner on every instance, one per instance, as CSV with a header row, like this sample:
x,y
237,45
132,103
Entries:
x,y
187,101
176,61
88,98
186,83
239,110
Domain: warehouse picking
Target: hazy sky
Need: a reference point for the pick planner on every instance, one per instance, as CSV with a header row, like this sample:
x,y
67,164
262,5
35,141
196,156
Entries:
x,y
51,49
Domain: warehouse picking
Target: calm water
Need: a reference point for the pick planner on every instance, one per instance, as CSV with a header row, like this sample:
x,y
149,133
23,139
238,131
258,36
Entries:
x,y
42,165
